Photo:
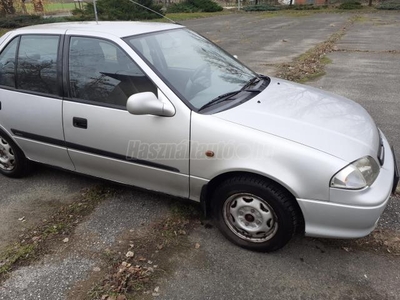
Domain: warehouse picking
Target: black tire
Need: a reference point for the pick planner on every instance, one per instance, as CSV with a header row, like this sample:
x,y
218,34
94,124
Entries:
x,y
270,198
20,163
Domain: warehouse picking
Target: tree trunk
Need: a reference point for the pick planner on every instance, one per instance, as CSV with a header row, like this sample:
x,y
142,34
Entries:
x,y
38,6
23,6
7,7
370,3
291,2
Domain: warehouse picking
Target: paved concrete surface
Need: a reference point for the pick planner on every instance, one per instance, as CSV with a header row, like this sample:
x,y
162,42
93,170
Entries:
x,y
25,202
260,41
373,32
306,269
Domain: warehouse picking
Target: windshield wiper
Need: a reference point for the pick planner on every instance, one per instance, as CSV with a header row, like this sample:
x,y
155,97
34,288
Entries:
x,y
219,99
251,82
227,96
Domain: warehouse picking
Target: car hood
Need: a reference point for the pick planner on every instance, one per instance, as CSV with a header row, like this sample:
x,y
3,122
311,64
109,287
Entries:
x,y
309,116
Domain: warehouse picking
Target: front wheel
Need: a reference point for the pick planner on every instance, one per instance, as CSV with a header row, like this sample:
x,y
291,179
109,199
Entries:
x,y
255,214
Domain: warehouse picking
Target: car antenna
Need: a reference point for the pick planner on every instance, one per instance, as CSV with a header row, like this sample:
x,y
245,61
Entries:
x,y
141,5
95,12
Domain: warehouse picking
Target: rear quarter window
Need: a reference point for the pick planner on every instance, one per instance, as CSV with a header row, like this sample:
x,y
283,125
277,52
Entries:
x,y
7,64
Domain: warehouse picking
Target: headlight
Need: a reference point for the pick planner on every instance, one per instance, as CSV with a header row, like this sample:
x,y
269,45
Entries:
x,y
357,175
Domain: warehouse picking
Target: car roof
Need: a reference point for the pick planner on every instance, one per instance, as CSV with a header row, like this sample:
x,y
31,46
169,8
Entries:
x,y
120,28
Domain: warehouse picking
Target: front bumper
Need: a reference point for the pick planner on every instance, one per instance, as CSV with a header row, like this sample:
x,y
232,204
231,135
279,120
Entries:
x,y
338,219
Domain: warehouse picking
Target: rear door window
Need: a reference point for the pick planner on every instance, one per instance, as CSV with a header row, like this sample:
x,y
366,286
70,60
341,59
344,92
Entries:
x,y
37,69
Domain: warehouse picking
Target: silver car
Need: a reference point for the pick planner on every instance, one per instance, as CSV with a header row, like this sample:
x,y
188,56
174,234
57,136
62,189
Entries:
x,y
162,108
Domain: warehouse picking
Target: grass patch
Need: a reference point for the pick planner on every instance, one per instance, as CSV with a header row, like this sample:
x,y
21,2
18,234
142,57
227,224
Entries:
x,y
52,7
135,265
188,16
311,77
261,8
360,19
304,13
15,254
311,64
326,60
56,228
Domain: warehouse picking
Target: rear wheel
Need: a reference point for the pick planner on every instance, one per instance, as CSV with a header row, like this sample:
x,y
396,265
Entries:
x,y
13,162
255,214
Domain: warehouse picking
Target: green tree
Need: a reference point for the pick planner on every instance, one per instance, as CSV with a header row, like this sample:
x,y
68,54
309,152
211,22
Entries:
x,y
122,10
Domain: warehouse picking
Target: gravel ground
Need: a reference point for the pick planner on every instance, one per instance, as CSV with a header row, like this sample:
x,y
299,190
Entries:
x,y
57,273
25,202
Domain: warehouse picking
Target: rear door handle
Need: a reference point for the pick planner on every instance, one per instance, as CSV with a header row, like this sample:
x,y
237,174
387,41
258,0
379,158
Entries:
x,y
79,122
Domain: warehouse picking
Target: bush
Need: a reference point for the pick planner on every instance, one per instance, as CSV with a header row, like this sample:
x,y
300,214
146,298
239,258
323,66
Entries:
x,y
389,5
305,7
19,21
111,10
28,20
350,5
190,6
182,7
261,8
206,5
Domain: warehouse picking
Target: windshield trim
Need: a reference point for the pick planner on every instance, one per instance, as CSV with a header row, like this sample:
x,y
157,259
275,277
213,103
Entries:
x,y
165,80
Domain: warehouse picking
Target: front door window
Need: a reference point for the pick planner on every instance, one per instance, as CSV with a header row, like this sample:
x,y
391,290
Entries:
x,y
101,72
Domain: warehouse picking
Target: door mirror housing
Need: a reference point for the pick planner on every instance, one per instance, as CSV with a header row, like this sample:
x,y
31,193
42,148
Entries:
x,y
147,103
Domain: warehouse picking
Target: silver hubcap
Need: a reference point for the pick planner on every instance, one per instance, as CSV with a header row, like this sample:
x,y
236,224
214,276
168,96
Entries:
x,y
7,159
250,217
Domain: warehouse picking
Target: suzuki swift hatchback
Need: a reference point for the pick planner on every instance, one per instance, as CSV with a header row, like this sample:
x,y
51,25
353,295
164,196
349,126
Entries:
x,y
160,107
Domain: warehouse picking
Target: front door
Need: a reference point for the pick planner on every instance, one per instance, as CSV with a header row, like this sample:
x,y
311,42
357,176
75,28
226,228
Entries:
x,y
103,138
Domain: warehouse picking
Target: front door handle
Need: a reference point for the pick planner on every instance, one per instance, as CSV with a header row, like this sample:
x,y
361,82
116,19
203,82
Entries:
x,y
79,122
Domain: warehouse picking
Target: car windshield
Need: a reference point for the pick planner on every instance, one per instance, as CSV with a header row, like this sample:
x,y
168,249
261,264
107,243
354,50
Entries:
x,y
196,69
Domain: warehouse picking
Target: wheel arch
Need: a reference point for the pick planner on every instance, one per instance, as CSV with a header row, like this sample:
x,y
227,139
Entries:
x,y
208,190
4,131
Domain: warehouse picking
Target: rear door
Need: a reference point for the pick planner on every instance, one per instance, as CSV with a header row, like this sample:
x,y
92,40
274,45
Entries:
x,y
103,138
31,98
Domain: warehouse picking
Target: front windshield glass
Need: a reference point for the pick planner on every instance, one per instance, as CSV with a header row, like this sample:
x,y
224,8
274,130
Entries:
x,y
191,65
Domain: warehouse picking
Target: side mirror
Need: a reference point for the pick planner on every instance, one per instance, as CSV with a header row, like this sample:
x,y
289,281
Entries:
x,y
235,56
147,103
